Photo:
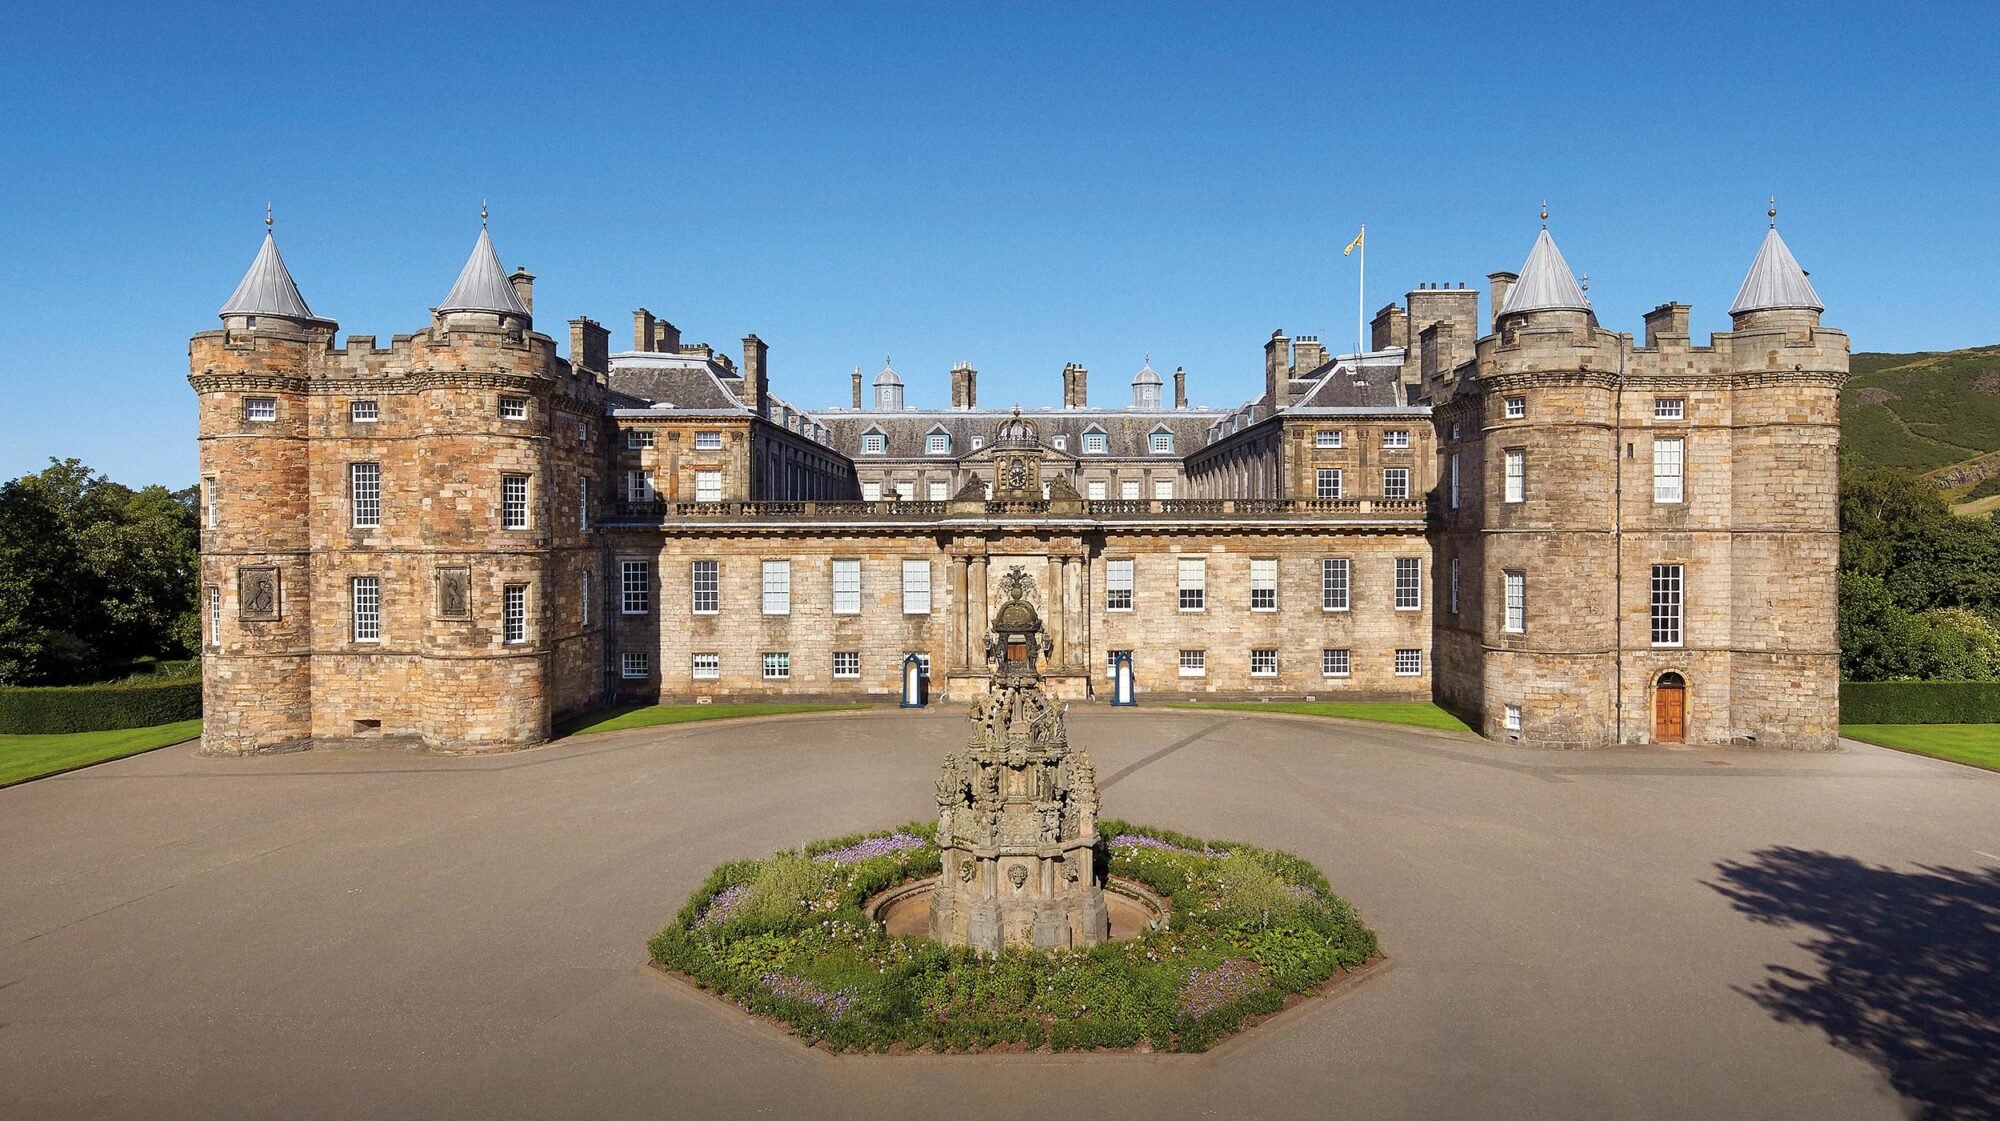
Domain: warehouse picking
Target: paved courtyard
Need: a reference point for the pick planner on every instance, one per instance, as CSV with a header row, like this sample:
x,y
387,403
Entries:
x,y
373,934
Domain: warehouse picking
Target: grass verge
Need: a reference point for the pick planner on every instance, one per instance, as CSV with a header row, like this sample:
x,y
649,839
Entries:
x,y
27,757
1386,712
1976,744
645,716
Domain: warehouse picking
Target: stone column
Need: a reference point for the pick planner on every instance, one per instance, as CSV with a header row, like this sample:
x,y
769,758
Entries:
x,y
960,566
976,604
1059,656
1083,614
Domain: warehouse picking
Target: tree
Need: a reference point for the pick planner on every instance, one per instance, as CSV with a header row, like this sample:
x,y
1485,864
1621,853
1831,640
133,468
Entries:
x,y
1883,511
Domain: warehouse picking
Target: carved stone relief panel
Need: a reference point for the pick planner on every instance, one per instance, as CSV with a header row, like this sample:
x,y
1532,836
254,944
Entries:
x,y
257,593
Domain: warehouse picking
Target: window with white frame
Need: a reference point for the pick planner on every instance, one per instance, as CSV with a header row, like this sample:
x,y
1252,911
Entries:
x,y
1111,661
1264,662
214,616
1327,438
1667,469
905,491
638,486
513,502
1453,565
1326,483
874,443
978,442
1093,443
260,408
1395,483
1163,490
363,412
582,432
705,666
1061,442
707,441
1335,584
1516,407
939,491
1514,475
705,587
635,665
846,664
1193,573
1118,584
583,504
364,494
514,614
1161,443
708,486
1453,471
1667,604
916,587
513,408
1510,717
209,502
1128,489
777,587
583,600
365,594
635,587
777,665
1194,663
639,438
1095,490
871,492
1263,584
923,663
1669,408
1454,431
1515,592
847,586
1335,663
1409,583
1409,663
1395,437
937,443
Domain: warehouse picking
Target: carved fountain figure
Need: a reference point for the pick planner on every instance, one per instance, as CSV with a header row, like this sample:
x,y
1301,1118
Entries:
x,y
1017,812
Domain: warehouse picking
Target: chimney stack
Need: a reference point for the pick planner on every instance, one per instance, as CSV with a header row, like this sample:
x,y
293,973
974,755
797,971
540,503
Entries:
x,y
1307,355
1180,387
857,389
589,347
524,288
1497,286
756,384
1668,321
964,385
642,330
1277,369
1079,394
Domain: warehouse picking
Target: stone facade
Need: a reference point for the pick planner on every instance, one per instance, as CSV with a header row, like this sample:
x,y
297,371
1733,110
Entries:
x,y
455,540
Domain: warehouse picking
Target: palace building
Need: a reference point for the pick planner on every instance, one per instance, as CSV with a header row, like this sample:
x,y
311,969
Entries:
x,y
1569,537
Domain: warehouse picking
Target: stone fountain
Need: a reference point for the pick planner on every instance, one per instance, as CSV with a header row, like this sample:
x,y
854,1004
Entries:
x,y
1017,812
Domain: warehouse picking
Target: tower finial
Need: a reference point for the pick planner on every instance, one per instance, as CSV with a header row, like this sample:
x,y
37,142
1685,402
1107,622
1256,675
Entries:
x,y
482,214
1773,212
267,216
1545,214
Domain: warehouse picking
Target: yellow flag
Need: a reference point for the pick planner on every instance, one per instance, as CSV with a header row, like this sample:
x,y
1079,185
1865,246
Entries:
x,y
1356,243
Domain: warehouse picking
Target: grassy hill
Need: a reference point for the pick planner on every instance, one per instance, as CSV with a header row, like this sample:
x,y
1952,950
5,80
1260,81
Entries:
x,y
1924,412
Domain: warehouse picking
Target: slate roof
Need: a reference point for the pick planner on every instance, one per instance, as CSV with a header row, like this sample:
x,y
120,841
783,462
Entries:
x,y
482,284
1775,281
267,289
679,381
1126,431
1546,283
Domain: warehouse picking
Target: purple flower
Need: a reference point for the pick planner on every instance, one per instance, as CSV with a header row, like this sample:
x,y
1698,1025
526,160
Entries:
x,y
873,846
723,905
834,1004
1134,840
1209,989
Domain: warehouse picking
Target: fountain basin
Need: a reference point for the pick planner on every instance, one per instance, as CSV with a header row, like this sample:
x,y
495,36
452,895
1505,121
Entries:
x,y
1133,908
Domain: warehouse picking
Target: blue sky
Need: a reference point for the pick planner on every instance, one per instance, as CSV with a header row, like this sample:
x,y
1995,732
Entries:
x,y
1018,186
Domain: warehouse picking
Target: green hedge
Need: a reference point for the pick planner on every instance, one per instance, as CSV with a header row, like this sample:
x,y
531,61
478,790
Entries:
x,y
1920,702
97,708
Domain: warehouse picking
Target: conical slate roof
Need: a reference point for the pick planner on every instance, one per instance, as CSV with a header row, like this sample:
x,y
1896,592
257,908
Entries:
x,y
267,289
1546,283
1775,281
482,285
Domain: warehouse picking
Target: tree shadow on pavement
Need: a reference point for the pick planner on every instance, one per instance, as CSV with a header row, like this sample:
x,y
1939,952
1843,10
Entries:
x,y
1909,968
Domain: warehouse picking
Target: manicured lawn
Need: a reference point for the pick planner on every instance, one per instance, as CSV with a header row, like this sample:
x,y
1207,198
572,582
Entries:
x,y
26,757
644,716
1977,744
1388,712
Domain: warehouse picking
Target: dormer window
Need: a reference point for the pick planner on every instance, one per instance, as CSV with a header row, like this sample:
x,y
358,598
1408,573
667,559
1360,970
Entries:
x,y
1094,443
978,442
937,443
1160,443
1061,443
874,443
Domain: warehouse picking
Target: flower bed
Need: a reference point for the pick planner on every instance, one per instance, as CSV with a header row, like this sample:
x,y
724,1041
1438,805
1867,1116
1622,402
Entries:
x,y
786,938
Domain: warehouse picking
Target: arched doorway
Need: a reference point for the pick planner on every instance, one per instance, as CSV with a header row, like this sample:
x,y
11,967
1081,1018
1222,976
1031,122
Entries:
x,y
1670,708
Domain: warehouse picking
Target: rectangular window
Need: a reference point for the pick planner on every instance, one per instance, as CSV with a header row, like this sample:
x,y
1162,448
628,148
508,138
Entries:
x,y
846,663
1161,443
635,586
1093,443
939,492
1335,663
1128,490
1118,584
1194,663
1669,408
871,492
635,666
215,616
706,666
639,486
1111,661
1395,483
260,408
1193,583
907,491
1454,585
1326,438
1516,619
1264,663
364,494
923,664
513,408
708,486
705,587
1061,442
777,666
916,587
513,502
1409,583
1395,437
1517,407
583,505
1163,489
363,412
1667,604
874,443
1095,490
1263,584
1515,474
209,502
584,598
639,438
1326,483
1409,663
1454,480
777,587
1510,717
1667,470
847,587
1334,584
937,443
514,613
367,598
708,441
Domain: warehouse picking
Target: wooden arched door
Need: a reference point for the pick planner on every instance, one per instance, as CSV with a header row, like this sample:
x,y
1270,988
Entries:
x,y
1670,709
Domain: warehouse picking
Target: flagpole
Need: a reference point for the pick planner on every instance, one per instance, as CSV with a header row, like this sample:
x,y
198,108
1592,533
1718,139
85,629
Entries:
x,y
1360,295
